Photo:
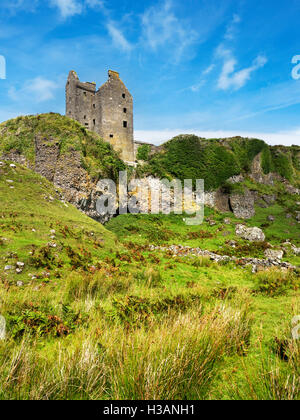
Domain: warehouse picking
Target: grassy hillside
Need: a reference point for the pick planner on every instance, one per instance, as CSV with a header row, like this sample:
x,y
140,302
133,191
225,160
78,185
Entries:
x,y
94,312
214,160
46,234
92,318
97,156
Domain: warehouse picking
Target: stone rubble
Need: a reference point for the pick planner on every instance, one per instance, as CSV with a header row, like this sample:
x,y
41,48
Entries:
x,y
253,234
184,251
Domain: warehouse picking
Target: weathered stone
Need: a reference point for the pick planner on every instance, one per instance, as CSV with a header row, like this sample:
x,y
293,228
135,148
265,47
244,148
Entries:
x,y
8,267
256,263
108,111
242,205
271,218
250,234
20,264
296,250
269,198
236,179
227,221
274,254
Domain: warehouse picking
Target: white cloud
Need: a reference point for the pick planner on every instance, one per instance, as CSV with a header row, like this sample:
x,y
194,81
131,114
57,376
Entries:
x,y
118,38
231,28
38,90
162,28
281,138
236,80
68,8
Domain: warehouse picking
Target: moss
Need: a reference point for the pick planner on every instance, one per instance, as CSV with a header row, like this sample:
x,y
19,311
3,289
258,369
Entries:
x,y
283,164
97,156
216,160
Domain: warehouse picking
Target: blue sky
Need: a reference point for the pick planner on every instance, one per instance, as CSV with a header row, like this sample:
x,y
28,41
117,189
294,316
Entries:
x,y
210,67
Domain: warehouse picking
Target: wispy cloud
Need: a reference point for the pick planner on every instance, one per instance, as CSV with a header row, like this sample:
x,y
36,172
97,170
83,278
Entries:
x,y
232,27
161,27
197,86
38,89
68,8
118,38
229,78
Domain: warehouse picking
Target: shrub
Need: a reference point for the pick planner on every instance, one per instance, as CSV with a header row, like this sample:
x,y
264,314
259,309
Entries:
x,y
274,282
144,152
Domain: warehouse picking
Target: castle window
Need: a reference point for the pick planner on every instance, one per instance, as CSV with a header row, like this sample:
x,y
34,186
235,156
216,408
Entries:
x,y
125,124
124,96
84,117
94,122
94,106
124,110
111,136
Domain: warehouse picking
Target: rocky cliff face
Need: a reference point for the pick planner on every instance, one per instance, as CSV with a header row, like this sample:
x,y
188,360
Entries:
x,y
74,160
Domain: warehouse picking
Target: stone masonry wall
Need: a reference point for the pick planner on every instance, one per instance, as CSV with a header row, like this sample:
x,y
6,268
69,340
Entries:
x,y
108,112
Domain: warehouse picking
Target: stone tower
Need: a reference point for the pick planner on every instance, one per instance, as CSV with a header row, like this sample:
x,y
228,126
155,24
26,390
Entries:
x,y
108,111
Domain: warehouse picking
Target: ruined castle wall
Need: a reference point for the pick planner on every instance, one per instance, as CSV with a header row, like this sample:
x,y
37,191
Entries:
x,y
108,112
80,101
116,116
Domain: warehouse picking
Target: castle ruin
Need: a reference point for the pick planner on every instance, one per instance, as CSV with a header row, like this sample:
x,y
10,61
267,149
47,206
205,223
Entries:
x,y
107,111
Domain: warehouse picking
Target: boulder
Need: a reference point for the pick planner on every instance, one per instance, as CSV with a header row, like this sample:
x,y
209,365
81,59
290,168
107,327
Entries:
x,y
274,254
250,234
242,205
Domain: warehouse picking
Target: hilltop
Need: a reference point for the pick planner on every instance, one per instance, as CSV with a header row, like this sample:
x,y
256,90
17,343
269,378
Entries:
x,y
64,152
217,160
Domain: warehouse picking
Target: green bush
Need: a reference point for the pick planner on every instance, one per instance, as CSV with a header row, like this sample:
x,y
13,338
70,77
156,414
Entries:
x,y
274,282
144,152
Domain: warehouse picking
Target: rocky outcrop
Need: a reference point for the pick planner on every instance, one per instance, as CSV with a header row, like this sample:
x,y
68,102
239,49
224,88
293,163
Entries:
x,y
274,254
66,172
242,205
253,234
46,156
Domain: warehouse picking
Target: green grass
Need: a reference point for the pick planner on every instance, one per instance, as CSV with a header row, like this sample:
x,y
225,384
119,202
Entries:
x,y
97,157
102,317
215,160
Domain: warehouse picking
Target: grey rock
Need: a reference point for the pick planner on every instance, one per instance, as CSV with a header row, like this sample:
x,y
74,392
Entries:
x,y
250,234
274,254
20,264
242,205
8,267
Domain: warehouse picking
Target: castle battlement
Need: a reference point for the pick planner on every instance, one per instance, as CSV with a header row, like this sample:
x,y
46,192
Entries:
x,y
107,111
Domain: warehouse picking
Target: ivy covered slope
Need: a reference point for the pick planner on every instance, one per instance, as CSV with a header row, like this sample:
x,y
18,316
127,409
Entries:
x,y
215,160
97,157
41,237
